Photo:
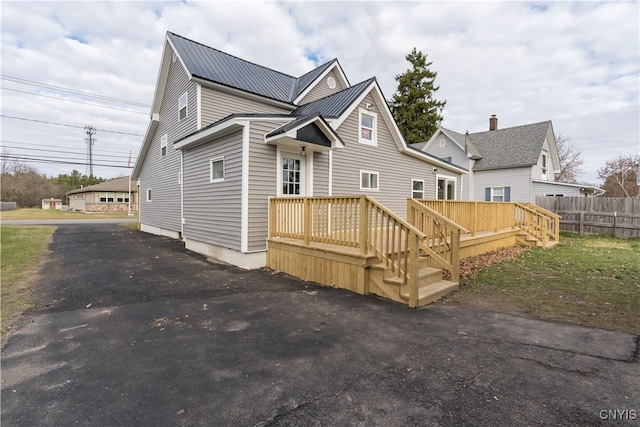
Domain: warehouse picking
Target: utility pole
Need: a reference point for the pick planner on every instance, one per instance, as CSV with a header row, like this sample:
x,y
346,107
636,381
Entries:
x,y
90,140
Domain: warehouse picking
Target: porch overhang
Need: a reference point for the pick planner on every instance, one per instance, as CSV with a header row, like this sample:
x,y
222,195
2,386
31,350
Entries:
x,y
311,133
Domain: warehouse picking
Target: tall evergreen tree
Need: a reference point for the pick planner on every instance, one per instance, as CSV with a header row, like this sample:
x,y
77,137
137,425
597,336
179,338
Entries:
x,y
416,111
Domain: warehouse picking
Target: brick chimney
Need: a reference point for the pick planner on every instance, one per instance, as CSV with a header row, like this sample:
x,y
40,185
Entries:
x,y
493,122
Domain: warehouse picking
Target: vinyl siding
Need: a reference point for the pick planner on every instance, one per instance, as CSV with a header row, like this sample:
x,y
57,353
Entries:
x,y
262,182
217,105
160,173
322,89
212,210
458,156
519,179
396,169
542,189
321,174
537,168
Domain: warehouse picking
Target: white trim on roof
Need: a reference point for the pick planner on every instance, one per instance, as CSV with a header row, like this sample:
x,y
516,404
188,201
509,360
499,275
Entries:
x,y
385,113
224,128
341,76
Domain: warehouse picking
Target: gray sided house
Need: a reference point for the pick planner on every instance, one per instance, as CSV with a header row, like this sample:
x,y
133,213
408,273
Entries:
x,y
226,135
115,195
513,164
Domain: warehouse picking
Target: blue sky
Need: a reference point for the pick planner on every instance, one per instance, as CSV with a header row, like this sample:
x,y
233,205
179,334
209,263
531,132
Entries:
x,y
575,63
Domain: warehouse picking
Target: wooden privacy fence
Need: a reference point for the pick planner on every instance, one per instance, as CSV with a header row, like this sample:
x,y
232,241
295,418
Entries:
x,y
613,216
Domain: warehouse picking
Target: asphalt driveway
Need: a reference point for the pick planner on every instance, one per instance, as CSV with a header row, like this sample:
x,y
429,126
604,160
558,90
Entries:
x,y
133,330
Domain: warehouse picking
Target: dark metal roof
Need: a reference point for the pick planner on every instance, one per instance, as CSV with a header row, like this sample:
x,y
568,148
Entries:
x,y
305,80
336,104
511,147
219,67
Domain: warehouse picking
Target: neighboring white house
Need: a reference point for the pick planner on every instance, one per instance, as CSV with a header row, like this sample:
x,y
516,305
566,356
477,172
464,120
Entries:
x,y
52,203
512,164
226,134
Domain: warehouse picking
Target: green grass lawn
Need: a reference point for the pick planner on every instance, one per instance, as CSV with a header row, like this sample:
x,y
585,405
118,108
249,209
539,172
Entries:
x,y
37,213
22,250
591,281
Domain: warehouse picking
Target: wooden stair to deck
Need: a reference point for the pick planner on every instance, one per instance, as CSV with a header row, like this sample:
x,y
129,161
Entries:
x,y
431,286
525,239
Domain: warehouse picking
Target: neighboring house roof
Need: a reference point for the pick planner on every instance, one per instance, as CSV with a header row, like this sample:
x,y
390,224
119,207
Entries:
x,y
514,147
333,106
219,67
118,184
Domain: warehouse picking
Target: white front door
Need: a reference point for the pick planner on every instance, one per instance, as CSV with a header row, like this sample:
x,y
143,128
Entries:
x,y
292,178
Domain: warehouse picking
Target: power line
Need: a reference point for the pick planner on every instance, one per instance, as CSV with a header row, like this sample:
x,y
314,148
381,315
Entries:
x,y
74,91
71,100
67,125
65,152
49,145
61,162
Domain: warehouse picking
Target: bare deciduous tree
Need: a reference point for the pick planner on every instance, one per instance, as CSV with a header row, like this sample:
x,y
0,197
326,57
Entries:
x,y
620,176
23,184
570,160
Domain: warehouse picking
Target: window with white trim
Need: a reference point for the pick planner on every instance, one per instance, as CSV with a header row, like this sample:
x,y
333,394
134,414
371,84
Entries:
x,y
417,189
163,145
367,127
148,194
216,169
543,161
182,107
497,194
122,197
446,188
106,198
369,180
442,142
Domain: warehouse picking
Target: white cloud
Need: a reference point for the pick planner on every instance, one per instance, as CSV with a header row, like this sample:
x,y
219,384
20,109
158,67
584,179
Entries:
x,y
573,63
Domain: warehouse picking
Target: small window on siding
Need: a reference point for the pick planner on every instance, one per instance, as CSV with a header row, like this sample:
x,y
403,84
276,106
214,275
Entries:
x,y
497,194
417,189
442,142
182,107
368,180
216,169
163,145
148,194
367,128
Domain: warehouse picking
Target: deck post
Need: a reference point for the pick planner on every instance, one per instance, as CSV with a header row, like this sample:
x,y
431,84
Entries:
x,y
455,255
306,234
475,216
364,227
414,266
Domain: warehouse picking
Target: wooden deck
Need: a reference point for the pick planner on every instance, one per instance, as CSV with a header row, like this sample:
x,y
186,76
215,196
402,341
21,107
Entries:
x,y
354,243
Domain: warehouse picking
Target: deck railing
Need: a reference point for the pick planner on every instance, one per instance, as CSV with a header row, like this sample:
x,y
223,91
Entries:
x,y
553,220
478,217
538,224
352,221
442,243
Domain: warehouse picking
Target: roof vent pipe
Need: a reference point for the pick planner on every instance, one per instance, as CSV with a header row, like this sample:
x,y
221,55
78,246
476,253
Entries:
x,y
493,122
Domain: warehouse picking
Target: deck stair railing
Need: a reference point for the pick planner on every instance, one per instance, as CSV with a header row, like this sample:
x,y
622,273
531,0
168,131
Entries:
x,y
355,222
442,243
